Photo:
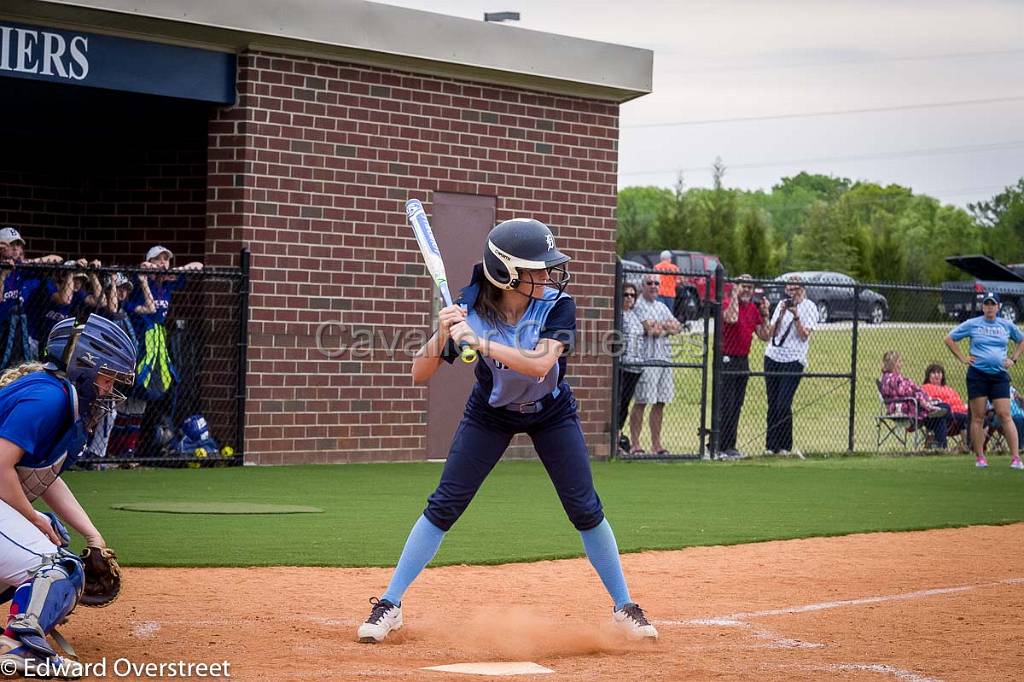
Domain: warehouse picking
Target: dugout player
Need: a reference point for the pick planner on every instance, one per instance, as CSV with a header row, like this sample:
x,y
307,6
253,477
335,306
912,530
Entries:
x,y
516,315
46,411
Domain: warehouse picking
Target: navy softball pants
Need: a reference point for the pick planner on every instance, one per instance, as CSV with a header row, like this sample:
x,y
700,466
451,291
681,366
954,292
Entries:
x,y
483,436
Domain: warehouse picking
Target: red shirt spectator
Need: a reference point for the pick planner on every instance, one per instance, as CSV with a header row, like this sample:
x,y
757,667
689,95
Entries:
x,y
946,394
736,338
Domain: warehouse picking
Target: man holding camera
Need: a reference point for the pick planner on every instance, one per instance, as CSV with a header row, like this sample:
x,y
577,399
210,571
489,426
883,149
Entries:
x,y
785,358
742,318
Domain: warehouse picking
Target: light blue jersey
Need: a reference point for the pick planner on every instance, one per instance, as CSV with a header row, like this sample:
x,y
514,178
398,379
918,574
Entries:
x,y
989,340
553,317
508,386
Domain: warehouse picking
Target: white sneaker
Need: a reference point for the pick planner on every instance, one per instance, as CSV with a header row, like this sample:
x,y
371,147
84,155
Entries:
x,y
631,619
19,660
384,617
1017,464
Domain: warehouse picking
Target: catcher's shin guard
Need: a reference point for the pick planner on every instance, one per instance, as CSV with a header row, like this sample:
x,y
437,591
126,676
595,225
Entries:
x,y
43,602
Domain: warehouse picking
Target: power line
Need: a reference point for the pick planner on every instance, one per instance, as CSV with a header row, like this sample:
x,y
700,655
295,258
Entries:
x,y
909,153
843,62
838,112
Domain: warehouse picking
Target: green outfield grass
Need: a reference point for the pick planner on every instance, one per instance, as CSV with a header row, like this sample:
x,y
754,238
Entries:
x,y
516,517
822,405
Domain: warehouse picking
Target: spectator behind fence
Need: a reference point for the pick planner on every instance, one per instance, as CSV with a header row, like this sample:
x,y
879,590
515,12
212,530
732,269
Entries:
x,y
741,320
66,294
148,307
669,272
657,383
987,375
632,355
902,396
935,386
785,358
112,433
1017,413
16,287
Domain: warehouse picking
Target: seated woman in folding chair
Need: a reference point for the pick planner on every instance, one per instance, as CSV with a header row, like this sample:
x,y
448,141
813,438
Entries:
x,y
987,375
935,386
903,396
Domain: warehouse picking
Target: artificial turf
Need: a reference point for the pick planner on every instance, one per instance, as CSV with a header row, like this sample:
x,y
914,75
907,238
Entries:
x,y
369,508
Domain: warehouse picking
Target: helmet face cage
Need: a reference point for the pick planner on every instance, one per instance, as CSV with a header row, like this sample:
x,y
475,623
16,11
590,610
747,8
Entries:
x,y
558,279
100,406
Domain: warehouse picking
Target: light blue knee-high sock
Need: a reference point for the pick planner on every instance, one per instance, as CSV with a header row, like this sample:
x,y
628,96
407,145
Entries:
x,y
420,548
603,552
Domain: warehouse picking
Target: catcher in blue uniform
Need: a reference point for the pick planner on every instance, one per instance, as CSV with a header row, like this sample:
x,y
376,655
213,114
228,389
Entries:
x,y
516,315
46,412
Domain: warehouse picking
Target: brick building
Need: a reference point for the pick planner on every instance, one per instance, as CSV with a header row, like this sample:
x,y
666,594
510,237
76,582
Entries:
x,y
299,132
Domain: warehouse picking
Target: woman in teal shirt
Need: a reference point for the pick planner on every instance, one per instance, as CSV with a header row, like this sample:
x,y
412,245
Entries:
x,y
987,375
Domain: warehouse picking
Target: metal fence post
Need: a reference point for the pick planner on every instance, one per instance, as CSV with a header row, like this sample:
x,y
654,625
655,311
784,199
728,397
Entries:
x,y
853,364
716,364
243,351
613,423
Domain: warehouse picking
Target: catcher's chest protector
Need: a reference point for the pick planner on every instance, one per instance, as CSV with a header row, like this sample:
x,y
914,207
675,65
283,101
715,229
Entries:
x,y
38,470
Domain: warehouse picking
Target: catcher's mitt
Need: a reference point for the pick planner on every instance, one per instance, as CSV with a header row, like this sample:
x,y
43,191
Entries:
x,y
102,576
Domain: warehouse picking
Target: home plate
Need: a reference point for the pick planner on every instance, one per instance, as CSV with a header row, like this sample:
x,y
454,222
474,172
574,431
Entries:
x,y
503,668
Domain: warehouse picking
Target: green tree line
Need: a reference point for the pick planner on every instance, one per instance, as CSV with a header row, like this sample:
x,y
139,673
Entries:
x,y
816,222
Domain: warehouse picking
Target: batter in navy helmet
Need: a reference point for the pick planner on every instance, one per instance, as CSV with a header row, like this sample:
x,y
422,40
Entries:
x,y
516,315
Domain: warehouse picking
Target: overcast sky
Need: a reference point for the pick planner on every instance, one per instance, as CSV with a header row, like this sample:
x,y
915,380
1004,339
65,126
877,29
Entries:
x,y
717,61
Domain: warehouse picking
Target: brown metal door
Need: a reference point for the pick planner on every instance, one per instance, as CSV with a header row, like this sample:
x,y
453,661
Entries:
x,y
461,223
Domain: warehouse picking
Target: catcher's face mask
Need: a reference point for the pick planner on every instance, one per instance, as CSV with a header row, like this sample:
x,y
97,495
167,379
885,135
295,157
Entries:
x,y
110,388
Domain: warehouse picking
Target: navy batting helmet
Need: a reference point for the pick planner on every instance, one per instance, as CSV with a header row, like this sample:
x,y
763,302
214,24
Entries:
x,y
523,244
85,352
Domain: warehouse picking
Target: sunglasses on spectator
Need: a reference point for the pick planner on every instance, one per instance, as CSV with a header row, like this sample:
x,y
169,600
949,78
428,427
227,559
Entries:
x,y
651,284
629,295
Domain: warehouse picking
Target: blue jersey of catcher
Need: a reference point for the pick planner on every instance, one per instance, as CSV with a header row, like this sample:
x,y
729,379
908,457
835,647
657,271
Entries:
x,y
550,317
39,414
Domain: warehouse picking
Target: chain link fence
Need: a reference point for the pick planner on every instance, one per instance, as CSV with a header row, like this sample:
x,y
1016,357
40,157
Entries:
x,y
728,405
187,406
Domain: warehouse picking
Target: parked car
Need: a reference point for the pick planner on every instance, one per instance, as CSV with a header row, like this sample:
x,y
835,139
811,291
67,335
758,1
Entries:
x,y
962,299
832,292
687,303
691,264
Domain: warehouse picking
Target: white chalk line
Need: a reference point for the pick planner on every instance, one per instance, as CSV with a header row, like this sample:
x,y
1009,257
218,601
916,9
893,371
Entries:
x,y
739,618
880,668
146,628
775,640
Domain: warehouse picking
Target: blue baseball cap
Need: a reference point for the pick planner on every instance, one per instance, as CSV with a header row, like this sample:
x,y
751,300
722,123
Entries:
x,y
990,296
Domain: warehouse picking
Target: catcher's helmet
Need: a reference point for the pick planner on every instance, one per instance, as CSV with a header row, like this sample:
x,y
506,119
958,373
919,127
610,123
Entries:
x,y
523,244
195,433
86,351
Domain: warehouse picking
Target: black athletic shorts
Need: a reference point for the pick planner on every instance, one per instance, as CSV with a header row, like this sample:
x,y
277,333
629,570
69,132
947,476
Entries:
x,y
985,384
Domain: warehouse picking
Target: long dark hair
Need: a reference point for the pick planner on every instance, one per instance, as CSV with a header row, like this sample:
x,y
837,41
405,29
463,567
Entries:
x,y
934,367
487,302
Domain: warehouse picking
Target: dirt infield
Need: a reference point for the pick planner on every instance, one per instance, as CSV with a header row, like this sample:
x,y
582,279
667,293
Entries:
x,y
933,605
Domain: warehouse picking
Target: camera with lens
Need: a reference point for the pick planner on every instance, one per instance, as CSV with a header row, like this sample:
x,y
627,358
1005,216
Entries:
x,y
788,303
